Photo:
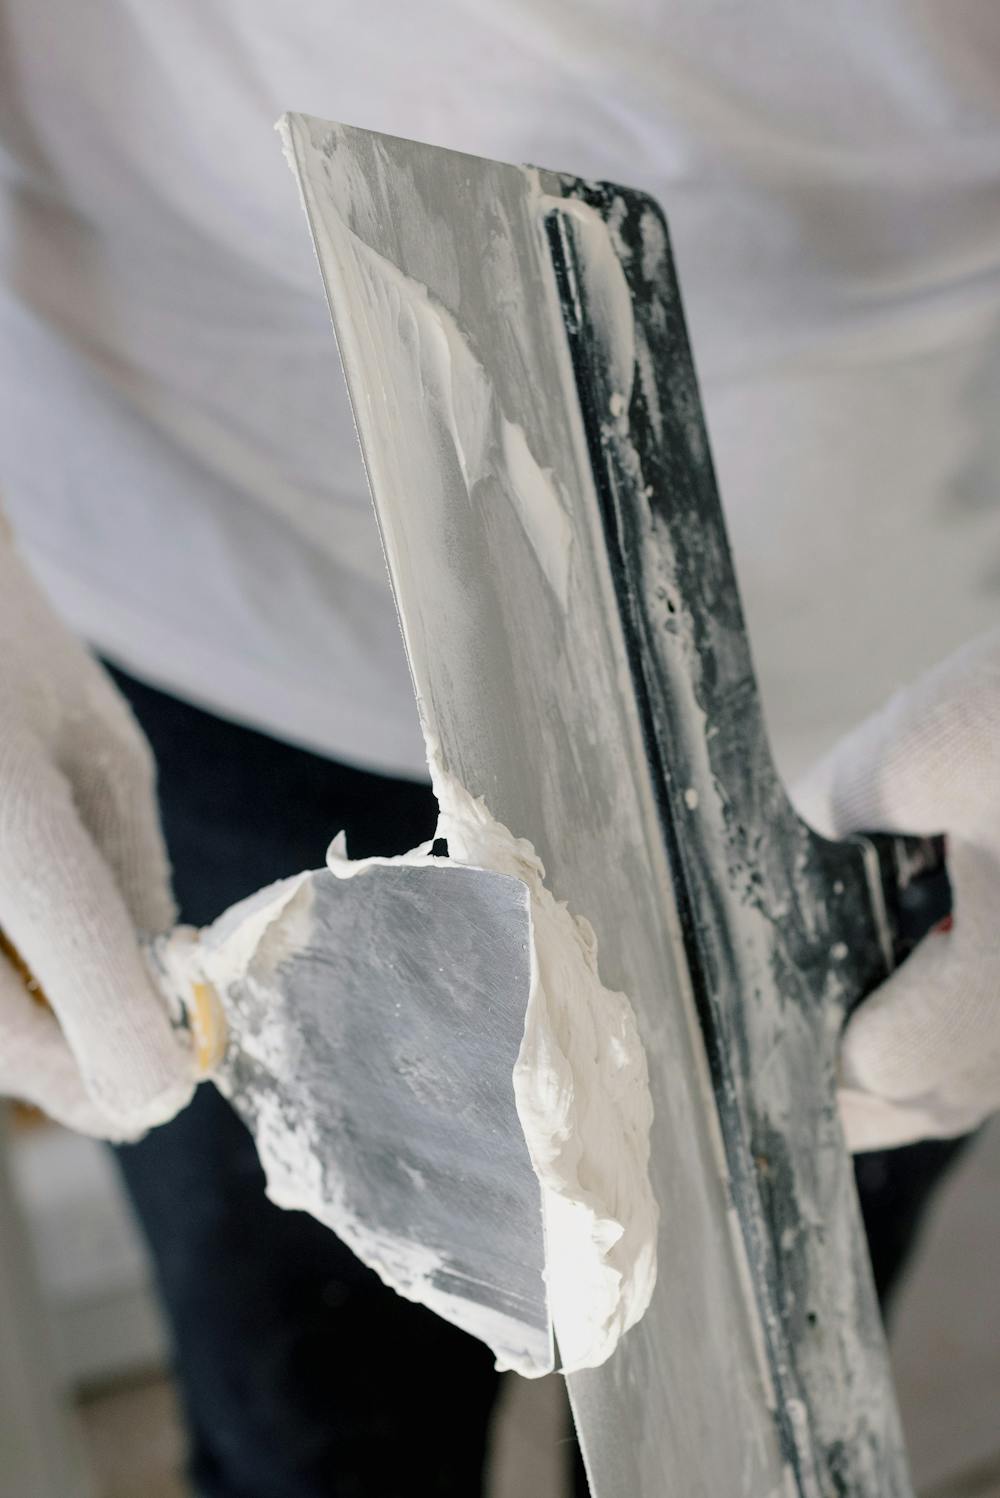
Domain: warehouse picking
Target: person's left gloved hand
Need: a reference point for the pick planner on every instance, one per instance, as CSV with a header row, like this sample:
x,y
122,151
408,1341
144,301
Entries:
x,y
921,1056
83,871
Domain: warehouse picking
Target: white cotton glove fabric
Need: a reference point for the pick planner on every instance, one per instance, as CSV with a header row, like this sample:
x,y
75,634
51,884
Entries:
x,y
83,868
921,1056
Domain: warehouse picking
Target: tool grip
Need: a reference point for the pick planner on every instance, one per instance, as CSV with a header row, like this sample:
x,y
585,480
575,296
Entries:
x,y
915,885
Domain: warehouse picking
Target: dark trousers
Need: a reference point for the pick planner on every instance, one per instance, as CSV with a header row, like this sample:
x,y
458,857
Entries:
x,y
301,1375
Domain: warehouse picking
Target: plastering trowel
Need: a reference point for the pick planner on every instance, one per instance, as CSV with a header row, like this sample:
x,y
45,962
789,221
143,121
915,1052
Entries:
x,y
516,354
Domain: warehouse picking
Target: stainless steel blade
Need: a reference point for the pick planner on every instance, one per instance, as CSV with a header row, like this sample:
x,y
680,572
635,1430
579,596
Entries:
x,y
527,694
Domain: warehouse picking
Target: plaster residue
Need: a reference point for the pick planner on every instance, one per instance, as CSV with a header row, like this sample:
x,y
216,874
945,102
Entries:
x,y
582,1094
254,935
608,299
455,389
583,1098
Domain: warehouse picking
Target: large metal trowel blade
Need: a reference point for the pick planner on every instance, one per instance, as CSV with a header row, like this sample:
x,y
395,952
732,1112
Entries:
x,y
374,1022
515,348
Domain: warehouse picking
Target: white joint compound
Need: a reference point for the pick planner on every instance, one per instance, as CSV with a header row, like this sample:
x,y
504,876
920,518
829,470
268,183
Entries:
x,y
583,1099
581,1090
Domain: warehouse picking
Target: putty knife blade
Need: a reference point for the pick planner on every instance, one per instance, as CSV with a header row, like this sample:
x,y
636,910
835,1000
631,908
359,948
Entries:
x,y
373,1023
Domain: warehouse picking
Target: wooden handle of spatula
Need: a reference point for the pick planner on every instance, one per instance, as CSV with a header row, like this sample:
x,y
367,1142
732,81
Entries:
x,y
17,962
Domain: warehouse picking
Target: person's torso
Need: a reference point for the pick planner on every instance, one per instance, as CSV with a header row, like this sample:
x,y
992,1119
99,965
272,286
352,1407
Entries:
x,y
177,447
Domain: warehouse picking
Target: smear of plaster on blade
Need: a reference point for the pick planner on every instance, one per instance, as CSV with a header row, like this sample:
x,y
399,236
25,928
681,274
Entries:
x,y
654,243
583,1098
609,301
454,383
264,929
258,931
488,445
297,1182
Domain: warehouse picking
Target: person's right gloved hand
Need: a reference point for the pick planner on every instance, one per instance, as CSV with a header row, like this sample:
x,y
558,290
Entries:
x,y
920,1058
83,868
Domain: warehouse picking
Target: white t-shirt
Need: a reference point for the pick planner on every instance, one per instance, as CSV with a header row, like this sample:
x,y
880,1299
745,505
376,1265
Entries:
x,y
176,449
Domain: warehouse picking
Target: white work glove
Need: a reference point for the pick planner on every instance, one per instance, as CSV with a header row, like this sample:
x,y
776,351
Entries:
x,y
921,1056
82,869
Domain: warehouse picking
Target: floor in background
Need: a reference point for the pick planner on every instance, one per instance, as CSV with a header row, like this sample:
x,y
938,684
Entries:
x,y
946,1335
92,1266
531,1431
946,1350
134,1441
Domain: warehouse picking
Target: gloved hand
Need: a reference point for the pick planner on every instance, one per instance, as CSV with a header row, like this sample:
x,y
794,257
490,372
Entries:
x,y
82,868
921,1056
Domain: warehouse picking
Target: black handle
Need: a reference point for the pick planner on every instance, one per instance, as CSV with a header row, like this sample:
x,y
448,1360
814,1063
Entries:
x,y
915,886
